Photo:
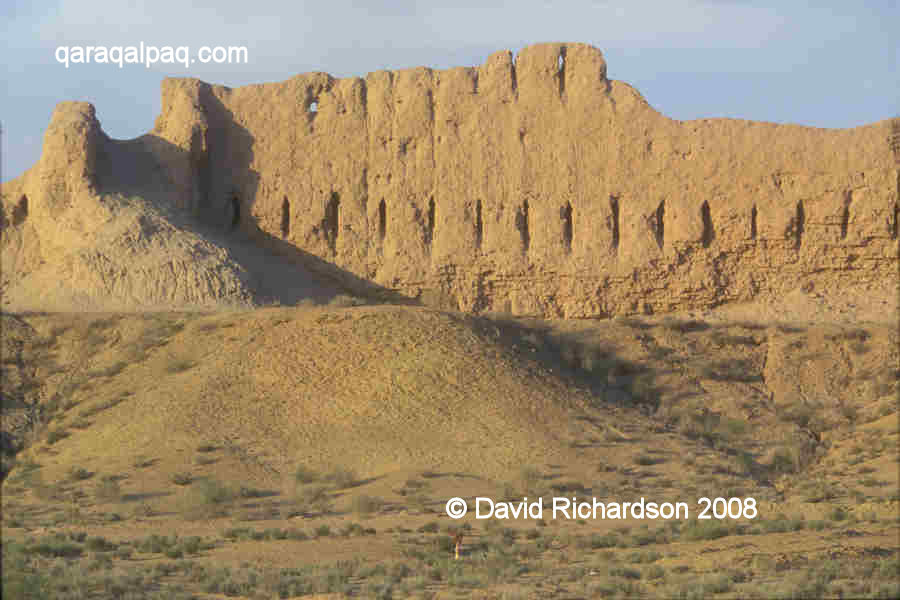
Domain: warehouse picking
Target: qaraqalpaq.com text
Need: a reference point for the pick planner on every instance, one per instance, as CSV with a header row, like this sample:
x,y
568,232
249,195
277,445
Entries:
x,y
149,55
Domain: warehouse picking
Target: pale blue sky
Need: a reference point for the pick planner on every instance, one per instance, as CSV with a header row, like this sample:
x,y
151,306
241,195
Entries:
x,y
825,64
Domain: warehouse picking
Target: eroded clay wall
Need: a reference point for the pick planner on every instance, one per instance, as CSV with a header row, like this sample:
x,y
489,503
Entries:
x,y
532,185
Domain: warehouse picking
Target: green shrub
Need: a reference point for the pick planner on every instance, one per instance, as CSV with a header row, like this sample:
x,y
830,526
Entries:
x,y
315,497
55,548
712,529
100,544
609,540
79,474
304,475
249,492
55,435
178,366
323,531
655,572
214,492
837,514
645,460
625,573
342,478
182,479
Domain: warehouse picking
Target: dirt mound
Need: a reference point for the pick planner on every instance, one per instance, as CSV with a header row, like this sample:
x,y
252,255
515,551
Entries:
x,y
375,389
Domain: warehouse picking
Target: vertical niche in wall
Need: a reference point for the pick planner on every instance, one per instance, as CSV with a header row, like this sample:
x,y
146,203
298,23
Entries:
x,y
753,223
614,222
845,214
709,233
331,222
429,224
659,224
479,225
523,226
895,226
285,218
382,221
799,222
565,215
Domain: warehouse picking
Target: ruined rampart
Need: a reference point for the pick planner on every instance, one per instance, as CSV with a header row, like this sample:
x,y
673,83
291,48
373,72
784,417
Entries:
x,y
532,185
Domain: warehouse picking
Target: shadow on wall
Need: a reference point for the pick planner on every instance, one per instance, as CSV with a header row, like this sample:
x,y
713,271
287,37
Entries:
x,y
224,180
229,188
148,167
347,281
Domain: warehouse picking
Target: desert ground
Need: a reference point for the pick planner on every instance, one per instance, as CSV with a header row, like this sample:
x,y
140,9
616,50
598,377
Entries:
x,y
309,451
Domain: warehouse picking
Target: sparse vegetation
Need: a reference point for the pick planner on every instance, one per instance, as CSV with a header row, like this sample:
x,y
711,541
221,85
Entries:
x,y
182,478
108,490
663,437
366,505
342,478
304,475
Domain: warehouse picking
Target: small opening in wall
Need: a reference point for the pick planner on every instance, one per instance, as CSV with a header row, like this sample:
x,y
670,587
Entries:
x,y
314,107
561,70
382,220
285,217
753,223
20,212
479,224
566,215
708,232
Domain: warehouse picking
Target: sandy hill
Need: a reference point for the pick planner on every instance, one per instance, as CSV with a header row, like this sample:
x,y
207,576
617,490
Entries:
x,y
376,389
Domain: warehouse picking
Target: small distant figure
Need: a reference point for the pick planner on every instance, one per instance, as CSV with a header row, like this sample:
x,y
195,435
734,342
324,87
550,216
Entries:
x,y
457,543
